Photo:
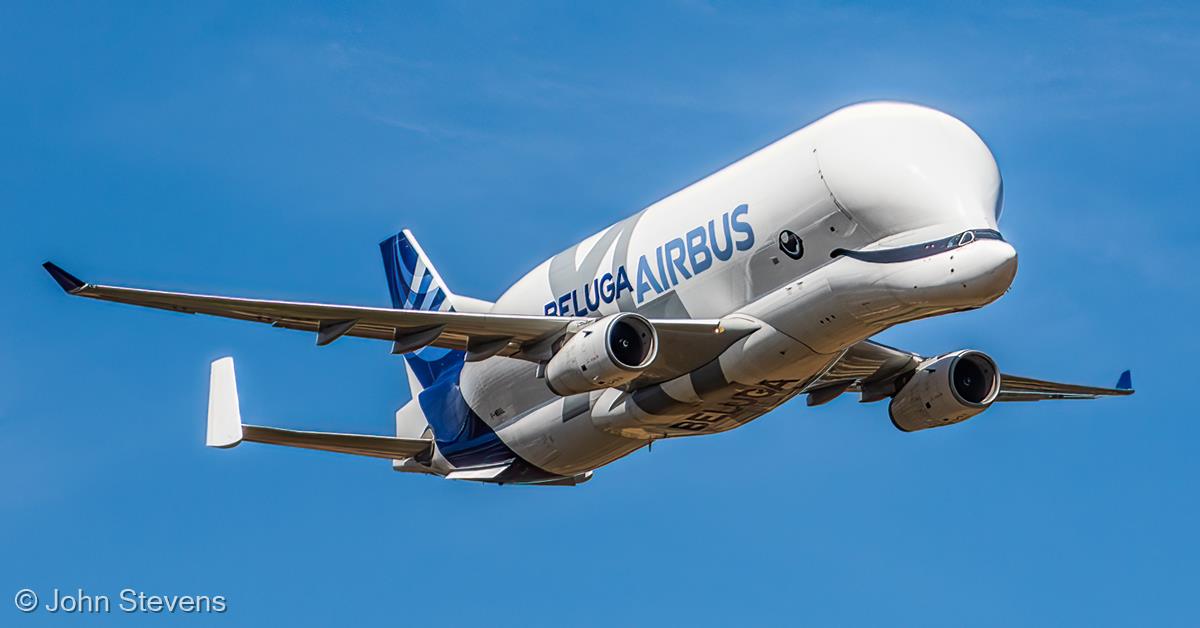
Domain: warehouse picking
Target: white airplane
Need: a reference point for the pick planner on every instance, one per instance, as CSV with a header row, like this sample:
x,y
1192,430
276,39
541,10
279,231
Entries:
x,y
694,316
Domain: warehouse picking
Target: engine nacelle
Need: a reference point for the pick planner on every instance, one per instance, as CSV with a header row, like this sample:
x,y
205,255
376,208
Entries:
x,y
945,390
609,352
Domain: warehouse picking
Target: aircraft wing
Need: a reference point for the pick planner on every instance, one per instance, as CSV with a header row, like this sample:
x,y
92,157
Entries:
x,y
684,341
871,368
1016,388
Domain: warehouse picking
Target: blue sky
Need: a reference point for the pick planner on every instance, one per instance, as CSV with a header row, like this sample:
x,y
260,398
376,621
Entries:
x,y
263,151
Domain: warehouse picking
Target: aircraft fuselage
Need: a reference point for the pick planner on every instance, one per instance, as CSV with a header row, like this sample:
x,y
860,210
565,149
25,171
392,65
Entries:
x,y
780,241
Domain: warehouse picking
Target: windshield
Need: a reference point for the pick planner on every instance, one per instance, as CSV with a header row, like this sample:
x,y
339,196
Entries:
x,y
917,251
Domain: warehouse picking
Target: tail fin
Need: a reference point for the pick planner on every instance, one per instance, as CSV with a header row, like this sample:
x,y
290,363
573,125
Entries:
x,y
412,280
415,284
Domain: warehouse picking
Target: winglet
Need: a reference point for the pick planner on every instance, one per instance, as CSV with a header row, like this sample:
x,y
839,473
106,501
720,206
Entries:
x,y
1125,381
224,413
70,283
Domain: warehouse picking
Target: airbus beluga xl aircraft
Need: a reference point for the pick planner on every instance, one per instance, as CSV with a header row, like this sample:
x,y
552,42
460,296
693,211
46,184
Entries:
x,y
696,315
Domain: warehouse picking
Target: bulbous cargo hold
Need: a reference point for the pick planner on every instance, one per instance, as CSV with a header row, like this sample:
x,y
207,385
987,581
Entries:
x,y
908,173
609,352
946,390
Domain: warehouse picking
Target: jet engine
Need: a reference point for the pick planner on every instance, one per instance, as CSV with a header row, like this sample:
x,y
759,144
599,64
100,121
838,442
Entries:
x,y
945,390
609,352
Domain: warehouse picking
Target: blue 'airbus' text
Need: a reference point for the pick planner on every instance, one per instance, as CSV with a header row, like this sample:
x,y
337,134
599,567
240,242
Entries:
x,y
675,261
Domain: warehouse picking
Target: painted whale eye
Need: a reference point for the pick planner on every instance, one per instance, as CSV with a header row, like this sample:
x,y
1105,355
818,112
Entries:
x,y
791,244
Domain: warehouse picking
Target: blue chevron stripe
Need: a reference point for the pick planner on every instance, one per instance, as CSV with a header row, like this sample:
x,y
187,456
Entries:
x,y
418,295
400,261
438,296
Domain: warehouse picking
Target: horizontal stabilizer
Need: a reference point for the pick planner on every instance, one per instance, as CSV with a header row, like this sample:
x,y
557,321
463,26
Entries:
x,y
225,428
359,444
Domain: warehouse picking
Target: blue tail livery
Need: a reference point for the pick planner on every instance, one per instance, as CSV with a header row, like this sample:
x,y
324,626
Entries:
x,y
414,284
461,436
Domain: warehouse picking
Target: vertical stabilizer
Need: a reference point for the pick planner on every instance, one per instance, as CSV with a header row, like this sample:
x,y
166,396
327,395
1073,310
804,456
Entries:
x,y
413,282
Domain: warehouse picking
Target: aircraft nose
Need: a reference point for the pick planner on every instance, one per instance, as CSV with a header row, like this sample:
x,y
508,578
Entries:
x,y
1008,264
970,276
982,271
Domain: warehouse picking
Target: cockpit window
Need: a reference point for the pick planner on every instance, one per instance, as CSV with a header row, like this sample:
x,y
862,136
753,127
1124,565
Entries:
x,y
917,251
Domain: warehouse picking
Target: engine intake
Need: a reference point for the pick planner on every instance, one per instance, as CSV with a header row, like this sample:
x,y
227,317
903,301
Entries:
x,y
945,390
609,352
